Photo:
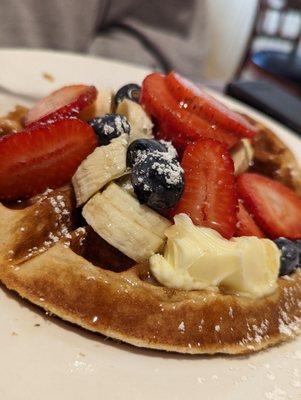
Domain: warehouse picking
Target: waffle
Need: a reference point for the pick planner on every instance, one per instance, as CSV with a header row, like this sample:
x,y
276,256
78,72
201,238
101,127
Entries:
x,y
50,258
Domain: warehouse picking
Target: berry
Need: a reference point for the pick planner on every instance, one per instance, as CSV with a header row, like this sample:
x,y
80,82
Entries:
x,y
246,225
205,106
143,146
42,156
174,123
209,196
65,102
157,180
130,91
276,208
110,127
289,255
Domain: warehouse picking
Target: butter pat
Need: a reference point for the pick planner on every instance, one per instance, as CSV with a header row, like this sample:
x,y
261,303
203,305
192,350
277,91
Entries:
x,y
197,258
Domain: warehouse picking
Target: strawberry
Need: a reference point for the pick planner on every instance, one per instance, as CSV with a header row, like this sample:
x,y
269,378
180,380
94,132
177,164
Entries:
x,y
205,106
246,225
276,208
209,196
41,156
176,124
64,102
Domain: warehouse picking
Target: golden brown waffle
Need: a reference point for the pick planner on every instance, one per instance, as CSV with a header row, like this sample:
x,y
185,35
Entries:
x,y
47,258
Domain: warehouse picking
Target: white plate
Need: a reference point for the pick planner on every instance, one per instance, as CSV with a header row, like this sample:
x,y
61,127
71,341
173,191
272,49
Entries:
x,y
43,358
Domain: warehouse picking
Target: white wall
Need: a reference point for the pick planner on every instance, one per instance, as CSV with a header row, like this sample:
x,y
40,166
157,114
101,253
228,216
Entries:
x,y
229,24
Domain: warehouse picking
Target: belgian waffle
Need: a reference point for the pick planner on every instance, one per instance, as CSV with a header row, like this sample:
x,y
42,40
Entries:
x,y
50,258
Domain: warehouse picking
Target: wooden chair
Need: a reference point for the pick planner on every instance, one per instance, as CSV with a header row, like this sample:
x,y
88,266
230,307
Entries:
x,y
283,66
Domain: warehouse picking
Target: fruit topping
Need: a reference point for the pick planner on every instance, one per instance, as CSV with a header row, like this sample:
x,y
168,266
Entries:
x,y
143,146
246,225
157,176
42,156
174,123
110,127
105,164
242,155
122,221
141,124
290,255
101,106
64,102
209,197
200,103
130,91
276,208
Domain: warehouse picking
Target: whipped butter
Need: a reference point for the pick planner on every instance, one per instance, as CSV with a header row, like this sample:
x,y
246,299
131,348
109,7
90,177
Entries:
x,y
200,258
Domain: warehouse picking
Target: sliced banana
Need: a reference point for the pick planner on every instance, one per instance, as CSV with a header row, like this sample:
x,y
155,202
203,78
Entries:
x,y
141,124
141,214
120,229
242,156
101,106
100,167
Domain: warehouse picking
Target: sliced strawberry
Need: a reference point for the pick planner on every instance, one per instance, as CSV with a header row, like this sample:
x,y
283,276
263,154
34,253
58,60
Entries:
x,y
276,208
246,225
203,105
209,196
67,101
175,123
45,155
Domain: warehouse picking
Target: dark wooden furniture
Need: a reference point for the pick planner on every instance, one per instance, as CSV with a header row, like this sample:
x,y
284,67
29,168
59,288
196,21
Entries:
x,y
283,66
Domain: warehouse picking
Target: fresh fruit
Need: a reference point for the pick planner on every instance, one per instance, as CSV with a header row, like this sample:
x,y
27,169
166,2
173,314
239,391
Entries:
x,y
276,208
65,102
130,91
141,124
158,180
200,103
109,127
143,146
101,106
42,156
100,167
176,124
209,197
289,255
125,224
246,225
143,215
242,155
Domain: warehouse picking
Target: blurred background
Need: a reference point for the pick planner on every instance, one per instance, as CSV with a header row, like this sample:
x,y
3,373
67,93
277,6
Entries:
x,y
220,43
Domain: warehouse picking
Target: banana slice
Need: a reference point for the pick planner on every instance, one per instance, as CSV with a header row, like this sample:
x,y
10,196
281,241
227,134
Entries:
x,y
141,124
141,214
100,167
242,156
120,229
101,106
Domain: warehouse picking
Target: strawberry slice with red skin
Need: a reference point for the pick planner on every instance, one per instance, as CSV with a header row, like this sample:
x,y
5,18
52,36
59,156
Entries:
x,y
209,196
42,156
246,225
275,207
176,124
64,102
203,105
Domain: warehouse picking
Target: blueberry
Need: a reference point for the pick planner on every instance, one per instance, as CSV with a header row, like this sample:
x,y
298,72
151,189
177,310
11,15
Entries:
x,y
158,181
298,244
289,255
143,146
109,127
130,91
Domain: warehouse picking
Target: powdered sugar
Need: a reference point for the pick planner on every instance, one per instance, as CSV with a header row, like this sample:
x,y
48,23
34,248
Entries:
x,y
182,327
